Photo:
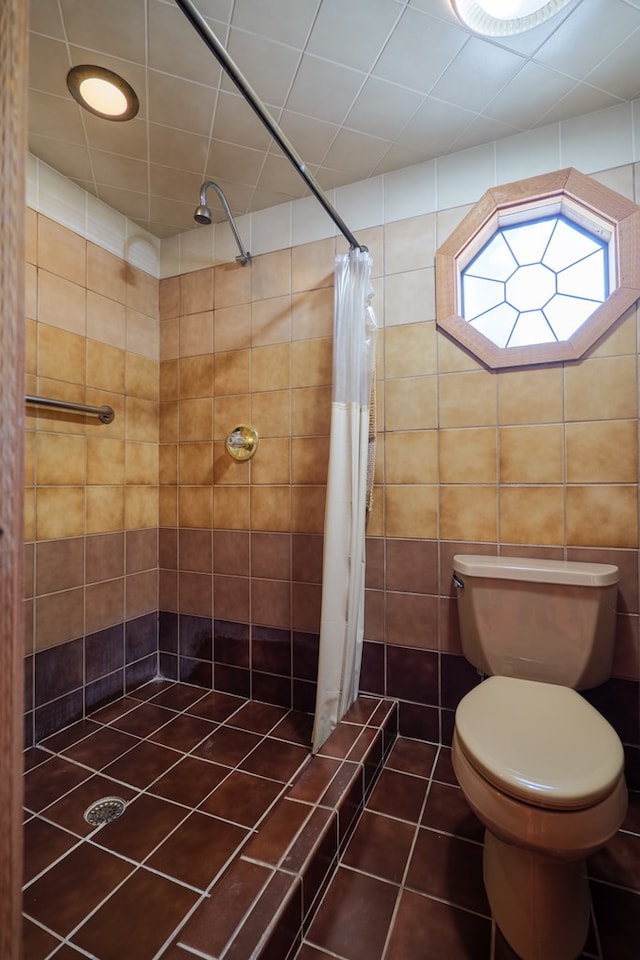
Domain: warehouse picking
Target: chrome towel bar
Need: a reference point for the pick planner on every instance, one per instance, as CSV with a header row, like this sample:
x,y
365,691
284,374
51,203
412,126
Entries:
x,y
105,413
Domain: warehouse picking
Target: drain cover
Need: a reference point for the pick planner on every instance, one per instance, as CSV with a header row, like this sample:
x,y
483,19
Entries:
x,y
105,810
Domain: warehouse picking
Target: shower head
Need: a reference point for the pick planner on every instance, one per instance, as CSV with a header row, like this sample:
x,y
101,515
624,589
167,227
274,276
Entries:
x,y
203,214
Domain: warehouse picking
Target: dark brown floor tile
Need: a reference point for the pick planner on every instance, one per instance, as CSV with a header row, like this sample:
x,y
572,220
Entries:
x,y
72,734
101,748
340,741
227,746
43,844
449,868
398,795
362,710
275,759
279,907
175,952
277,832
151,689
50,781
198,850
37,943
632,820
444,768
296,727
348,774
380,846
184,732
320,824
426,929
354,916
69,811
143,720
618,862
242,798
142,765
217,917
190,781
136,921
447,810
68,953
66,893
216,706
180,696
258,717
144,824
313,779
412,756
307,952
616,913
114,710
33,757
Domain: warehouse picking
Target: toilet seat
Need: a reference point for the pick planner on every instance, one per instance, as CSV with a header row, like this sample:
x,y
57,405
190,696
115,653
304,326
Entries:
x,y
539,742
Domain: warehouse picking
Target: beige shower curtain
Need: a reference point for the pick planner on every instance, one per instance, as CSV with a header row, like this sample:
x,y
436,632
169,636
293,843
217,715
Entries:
x,y
342,616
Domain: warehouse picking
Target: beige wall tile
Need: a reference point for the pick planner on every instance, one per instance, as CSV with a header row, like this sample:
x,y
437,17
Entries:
x,y
468,513
196,291
602,516
271,275
105,461
30,347
195,464
142,463
105,508
411,511
59,618
231,508
59,512
31,235
467,399
271,508
620,339
602,389
60,460
410,244
195,507
141,507
309,459
196,334
312,265
226,469
410,351
232,327
452,358
30,291
196,376
232,284
468,456
169,298
61,421
409,297
142,420
602,452
228,413
168,507
271,463
311,363
104,605
195,420
169,380
168,463
61,303
531,396
312,314
142,292
142,377
532,515
143,334
532,454
106,273
29,514
271,321
410,457
308,509
105,367
106,320
61,251
311,411
410,404
231,375
270,367
170,339
271,413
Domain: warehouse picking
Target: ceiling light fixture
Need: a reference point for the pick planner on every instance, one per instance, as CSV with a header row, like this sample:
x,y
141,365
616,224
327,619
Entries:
x,y
499,18
102,92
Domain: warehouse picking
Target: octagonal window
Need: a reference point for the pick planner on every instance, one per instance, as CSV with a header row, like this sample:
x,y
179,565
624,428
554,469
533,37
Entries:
x,y
539,270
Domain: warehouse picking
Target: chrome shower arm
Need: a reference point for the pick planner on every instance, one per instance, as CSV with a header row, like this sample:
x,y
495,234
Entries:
x,y
245,256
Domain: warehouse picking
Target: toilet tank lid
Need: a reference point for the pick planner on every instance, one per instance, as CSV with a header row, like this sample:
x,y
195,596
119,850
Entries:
x,y
531,570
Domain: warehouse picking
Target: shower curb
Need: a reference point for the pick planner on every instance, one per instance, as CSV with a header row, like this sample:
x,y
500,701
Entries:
x,y
269,894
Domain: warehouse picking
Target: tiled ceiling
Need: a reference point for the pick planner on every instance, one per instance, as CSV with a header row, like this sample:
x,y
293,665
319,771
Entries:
x,y
360,88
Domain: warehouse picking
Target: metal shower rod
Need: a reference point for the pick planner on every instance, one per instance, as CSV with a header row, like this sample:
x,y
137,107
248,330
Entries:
x,y
247,91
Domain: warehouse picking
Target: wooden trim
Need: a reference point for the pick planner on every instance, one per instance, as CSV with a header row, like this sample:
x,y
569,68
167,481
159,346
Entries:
x,y
13,71
607,208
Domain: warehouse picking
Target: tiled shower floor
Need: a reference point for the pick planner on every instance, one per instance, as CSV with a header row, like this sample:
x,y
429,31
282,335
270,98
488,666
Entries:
x,y
200,771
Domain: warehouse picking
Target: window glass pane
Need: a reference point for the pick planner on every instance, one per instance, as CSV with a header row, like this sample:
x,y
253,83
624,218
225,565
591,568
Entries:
x,y
531,327
531,287
566,314
568,245
495,260
497,324
479,295
528,241
587,278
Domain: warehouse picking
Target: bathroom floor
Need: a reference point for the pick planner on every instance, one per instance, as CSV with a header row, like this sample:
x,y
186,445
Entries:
x,y
204,769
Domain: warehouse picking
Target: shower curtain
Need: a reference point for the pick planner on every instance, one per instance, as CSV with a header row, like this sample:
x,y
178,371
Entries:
x,y
350,473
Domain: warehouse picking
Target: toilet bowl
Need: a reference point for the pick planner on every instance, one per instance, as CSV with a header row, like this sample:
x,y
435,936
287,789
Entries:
x,y
540,767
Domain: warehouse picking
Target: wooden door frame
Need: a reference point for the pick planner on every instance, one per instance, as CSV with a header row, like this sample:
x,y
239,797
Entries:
x,y
13,72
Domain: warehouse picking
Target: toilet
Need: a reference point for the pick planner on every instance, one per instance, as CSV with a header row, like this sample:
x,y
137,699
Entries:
x,y
540,767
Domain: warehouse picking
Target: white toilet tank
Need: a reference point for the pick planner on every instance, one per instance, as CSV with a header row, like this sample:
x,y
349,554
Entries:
x,y
547,620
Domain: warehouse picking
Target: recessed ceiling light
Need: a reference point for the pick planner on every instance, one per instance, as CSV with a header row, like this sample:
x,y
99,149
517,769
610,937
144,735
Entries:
x,y
102,92
495,18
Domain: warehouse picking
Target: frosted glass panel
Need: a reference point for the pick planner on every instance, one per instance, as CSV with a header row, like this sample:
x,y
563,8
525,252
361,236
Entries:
x,y
530,240
480,295
497,324
494,261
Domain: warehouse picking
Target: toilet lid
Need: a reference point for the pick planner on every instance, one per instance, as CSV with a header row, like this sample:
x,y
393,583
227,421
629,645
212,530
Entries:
x,y
539,742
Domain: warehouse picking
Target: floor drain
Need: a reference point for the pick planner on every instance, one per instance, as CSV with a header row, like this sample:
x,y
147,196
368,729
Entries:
x,y
104,811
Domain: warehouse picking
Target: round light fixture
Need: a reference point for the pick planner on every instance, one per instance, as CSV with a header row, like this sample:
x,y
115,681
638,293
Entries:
x,y
102,92
499,18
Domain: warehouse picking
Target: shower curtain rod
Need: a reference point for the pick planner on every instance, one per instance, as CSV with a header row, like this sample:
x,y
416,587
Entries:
x,y
249,94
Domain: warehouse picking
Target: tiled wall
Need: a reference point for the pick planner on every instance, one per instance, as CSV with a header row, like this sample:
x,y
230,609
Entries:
x,y
91,489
